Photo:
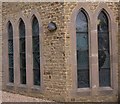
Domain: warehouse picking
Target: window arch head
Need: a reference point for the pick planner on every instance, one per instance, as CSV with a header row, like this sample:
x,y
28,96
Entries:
x,y
82,21
10,30
103,23
35,26
22,28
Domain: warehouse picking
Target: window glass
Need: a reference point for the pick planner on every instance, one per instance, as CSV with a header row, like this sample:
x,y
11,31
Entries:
x,y
36,51
103,50
10,53
82,50
22,52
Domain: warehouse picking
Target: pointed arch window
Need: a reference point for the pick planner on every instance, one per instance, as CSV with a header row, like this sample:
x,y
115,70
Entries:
x,y
36,51
22,49
10,52
103,50
82,50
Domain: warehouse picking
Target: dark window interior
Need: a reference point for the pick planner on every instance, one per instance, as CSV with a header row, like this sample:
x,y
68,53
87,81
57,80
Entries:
x,y
36,51
82,50
103,50
10,52
22,52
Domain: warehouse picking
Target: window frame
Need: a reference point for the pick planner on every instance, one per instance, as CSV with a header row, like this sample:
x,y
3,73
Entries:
x,y
93,55
110,51
22,53
38,36
5,66
113,49
37,15
10,39
88,34
29,79
73,62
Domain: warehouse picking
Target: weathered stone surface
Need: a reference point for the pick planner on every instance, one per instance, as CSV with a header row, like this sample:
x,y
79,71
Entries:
x,y
56,51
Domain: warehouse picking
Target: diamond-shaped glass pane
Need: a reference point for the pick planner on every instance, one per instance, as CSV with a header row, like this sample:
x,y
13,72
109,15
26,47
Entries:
x,y
10,46
11,60
36,44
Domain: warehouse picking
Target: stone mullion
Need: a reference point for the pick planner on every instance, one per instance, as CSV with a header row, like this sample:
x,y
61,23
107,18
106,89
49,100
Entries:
x,y
16,56
29,55
94,57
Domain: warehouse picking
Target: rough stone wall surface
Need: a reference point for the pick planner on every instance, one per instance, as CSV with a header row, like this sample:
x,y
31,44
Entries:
x,y
57,76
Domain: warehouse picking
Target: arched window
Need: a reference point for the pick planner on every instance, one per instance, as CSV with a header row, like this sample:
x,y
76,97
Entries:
x,y
36,51
103,50
82,47
22,52
10,52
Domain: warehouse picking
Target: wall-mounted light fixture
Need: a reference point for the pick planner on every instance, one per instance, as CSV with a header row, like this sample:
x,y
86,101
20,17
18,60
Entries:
x,y
52,26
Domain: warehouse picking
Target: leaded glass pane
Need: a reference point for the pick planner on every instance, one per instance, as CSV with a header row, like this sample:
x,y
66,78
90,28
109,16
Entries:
x,y
82,41
103,41
36,76
11,75
35,27
102,22
22,60
82,60
36,53
36,60
23,76
10,46
82,50
36,44
22,45
104,77
103,51
81,22
83,78
22,52
10,53
11,61
21,28
10,31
